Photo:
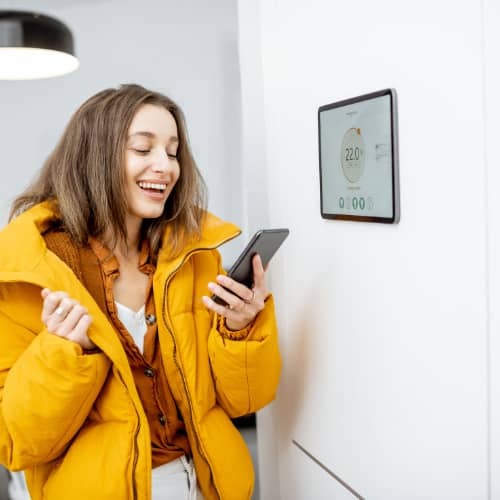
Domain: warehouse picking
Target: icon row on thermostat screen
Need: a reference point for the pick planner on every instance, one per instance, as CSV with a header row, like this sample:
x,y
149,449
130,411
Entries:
x,y
356,203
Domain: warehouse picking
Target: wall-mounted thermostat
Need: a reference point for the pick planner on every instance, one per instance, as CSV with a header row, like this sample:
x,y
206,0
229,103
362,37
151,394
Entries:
x,y
358,158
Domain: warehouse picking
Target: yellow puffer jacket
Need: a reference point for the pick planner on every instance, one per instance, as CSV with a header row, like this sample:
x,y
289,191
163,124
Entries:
x,y
75,423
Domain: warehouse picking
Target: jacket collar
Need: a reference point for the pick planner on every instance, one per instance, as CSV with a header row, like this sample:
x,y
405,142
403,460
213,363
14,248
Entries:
x,y
23,249
24,257
214,232
22,246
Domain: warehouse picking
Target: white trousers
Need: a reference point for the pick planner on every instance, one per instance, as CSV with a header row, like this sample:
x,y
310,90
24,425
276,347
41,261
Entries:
x,y
175,480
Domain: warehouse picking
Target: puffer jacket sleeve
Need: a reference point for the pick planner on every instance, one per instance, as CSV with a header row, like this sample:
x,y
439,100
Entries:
x,y
246,371
47,389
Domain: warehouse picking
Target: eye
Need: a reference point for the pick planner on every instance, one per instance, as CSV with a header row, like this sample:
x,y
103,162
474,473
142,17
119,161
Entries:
x,y
142,151
172,156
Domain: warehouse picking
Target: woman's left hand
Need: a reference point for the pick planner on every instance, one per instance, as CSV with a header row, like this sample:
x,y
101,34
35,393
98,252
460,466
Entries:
x,y
243,303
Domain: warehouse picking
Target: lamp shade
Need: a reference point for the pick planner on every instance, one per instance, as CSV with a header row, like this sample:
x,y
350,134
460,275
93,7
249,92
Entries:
x,y
34,46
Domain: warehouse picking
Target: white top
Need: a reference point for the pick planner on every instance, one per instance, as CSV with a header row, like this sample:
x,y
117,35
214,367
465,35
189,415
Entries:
x,y
134,322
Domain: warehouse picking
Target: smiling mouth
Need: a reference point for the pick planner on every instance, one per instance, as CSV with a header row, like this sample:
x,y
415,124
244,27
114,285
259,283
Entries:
x,y
152,187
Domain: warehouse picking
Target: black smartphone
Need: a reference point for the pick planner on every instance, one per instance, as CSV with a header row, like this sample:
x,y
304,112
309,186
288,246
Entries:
x,y
264,242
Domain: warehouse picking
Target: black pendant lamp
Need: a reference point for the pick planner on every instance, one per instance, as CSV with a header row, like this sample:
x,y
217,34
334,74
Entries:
x,y
34,46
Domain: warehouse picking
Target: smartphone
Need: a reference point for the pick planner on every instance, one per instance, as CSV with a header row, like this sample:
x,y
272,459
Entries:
x,y
264,242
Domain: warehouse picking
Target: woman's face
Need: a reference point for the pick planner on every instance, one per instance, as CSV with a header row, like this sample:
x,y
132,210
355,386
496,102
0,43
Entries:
x,y
151,166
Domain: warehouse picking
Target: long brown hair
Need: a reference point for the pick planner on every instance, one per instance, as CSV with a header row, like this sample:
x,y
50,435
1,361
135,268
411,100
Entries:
x,y
85,175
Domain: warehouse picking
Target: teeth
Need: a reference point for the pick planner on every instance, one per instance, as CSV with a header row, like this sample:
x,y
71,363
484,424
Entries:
x,y
151,185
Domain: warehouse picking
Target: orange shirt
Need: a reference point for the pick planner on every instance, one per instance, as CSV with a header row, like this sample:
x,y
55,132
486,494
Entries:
x,y
97,268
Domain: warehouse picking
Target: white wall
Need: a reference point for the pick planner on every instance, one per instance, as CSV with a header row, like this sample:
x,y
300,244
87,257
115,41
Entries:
x,y
187,50
384,329
389,333
491,20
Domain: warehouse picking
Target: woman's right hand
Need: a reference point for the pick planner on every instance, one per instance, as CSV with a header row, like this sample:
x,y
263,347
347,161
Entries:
x,y
66,318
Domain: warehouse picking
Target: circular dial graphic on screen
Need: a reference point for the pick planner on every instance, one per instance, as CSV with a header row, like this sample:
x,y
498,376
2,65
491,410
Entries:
x,y
352,155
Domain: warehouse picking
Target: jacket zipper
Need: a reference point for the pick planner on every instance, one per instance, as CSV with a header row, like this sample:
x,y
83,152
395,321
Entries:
x,y
136,456
184,383
136,447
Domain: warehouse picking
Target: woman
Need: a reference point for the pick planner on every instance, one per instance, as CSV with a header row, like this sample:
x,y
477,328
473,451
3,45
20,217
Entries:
x,y
117,369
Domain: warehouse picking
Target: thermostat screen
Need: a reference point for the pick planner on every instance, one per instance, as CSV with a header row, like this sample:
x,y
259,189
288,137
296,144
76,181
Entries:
x,y
356,158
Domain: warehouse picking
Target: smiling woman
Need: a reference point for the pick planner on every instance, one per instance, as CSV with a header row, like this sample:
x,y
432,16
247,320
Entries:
x,y
120,374
151,165
85,171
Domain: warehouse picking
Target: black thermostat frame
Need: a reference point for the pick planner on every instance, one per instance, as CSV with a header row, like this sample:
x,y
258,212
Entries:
x,y
394,219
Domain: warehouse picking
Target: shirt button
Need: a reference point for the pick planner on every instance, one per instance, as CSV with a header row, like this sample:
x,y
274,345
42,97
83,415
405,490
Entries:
x,y
150,319
149,372
162,419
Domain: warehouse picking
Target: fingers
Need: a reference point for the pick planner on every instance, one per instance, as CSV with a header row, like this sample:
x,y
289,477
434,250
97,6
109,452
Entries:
x,y
71,320
233,293
65,317
51,302
83,325
217,308
237,316
243,303
259,273
227,288
79,332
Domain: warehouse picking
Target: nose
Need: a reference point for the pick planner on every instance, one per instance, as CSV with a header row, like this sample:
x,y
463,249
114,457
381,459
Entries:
x,y
161,162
